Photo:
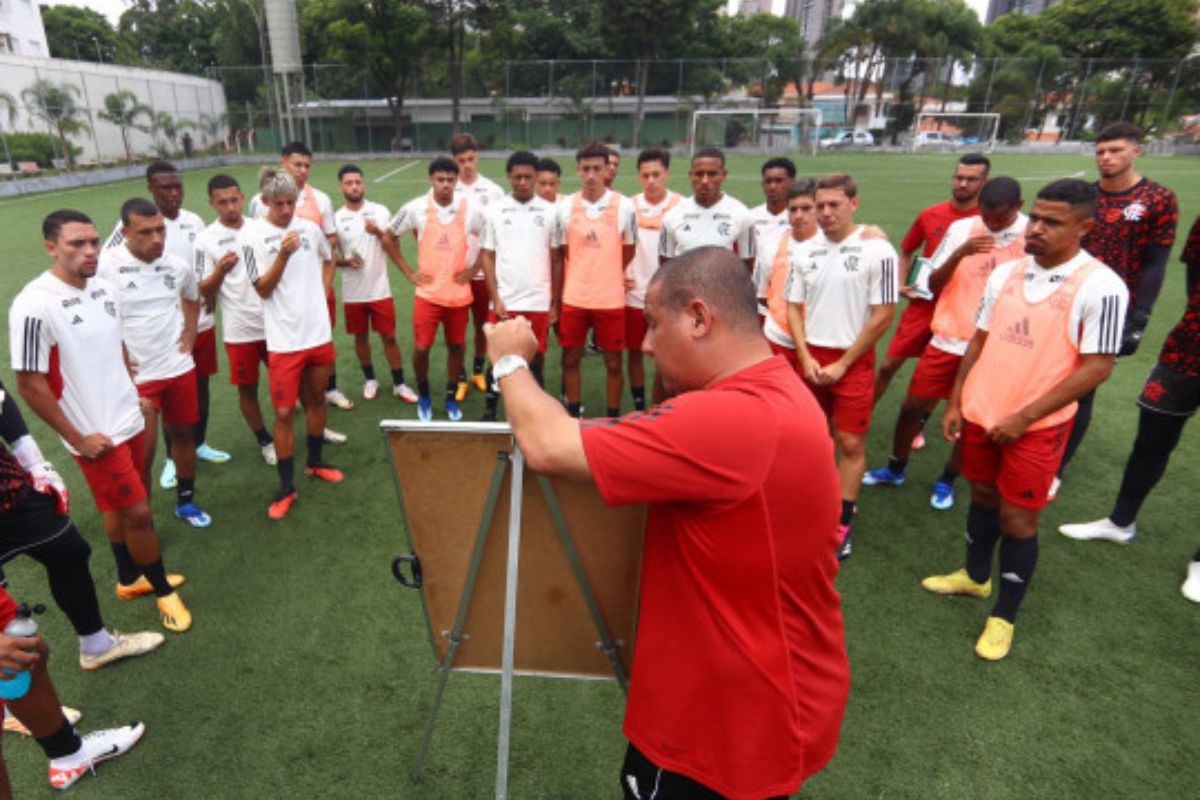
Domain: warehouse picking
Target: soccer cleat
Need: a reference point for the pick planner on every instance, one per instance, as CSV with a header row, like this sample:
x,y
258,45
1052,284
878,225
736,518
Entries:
x,y
918,442
125,645
1055,485
883,477
211,454
957,582
194,515
97,747
173,613
845,547
14,725
268,454
943,496
1104,529
479,381
996,639
167,479
370,389
1191,586
324,472
460,391
141,587
453,412
334,397
424,408
281,505
404,393
333,437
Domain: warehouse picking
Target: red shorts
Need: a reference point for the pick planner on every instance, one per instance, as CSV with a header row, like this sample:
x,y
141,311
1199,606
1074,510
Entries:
x,y
285,370
115,478
848,402
481,302
1022,470
331,304
574,322
538,320
427,316
635,328
913,333
377,315
788,353
935,373
244,358
174,397
204,353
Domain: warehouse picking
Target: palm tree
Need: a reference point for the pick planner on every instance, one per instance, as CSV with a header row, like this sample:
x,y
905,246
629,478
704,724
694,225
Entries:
x,y
123,109
211,125
54,103
9,102
170,127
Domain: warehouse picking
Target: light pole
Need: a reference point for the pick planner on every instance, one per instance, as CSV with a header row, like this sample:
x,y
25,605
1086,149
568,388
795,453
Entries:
x,y
262,52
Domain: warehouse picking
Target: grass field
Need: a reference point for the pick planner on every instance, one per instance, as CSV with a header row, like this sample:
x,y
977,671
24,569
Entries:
x,y
308,672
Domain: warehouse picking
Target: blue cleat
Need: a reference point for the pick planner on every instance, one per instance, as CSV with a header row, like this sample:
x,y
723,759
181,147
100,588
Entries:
x,y
943,496
883,477
211,454
193,515
424,408
453,411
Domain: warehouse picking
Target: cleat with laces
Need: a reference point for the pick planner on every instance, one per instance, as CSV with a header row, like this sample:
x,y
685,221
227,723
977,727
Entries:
x,y
96,748
14,725
324,472
167,479
193,515
996,639
212,454
404,393
125,645
883,477
334,397
453,411
943,496
333,437
424,408
141,587
957,582
281,505
370,389
173,613
269,455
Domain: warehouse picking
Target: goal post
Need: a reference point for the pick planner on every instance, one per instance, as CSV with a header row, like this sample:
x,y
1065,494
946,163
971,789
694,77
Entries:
x,y
938,131
756,130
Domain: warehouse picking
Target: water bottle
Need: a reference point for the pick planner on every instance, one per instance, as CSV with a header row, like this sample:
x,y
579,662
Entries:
x,y
22,625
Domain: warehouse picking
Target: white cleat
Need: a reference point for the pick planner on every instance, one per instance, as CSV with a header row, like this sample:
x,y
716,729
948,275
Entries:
x,y
404,393
125,645
1104,529
333,437
334,397
1191,587
98,746
371,389
268,454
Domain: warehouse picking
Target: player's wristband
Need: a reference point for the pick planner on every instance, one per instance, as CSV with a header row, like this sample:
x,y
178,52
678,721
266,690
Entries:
x,y
506,366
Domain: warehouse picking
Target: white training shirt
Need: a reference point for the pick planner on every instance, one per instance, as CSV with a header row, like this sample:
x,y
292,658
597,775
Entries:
x,y
295,314
83,325
1098,309
768,229
181,241
956,236
370,282
480,194
258,208
726,223
149,296
521,235
797,252
838,284
241,307
626,217
645,257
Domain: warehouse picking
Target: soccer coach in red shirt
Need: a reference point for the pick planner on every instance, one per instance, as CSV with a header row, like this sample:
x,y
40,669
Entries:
x,y
740,674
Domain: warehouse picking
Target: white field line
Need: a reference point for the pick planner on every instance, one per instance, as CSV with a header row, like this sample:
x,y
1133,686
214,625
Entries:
x,y
400,168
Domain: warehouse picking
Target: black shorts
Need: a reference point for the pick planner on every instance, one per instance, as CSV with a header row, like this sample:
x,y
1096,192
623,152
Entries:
x,y
34,522
642,779
1170,392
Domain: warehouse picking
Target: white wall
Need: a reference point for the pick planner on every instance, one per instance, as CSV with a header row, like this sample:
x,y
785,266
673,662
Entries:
x,y
182,96
21,23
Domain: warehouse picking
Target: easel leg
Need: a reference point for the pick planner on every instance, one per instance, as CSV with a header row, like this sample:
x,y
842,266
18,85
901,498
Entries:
x,y
510,624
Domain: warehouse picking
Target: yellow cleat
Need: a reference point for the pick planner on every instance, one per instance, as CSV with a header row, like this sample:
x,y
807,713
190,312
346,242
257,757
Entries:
x,y
460,393
957,582
996,639
142,586
480,382
173,613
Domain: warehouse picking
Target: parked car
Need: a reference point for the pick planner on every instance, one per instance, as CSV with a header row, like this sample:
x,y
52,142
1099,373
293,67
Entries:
x,y
858,138
937,139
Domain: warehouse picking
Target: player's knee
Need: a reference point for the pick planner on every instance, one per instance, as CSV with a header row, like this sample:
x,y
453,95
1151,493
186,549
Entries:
x,y
852,445
387,339
285,415
1017,522
985,494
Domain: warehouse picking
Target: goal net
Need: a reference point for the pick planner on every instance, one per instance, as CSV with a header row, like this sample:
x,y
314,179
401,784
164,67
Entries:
x,y
935,131
756,130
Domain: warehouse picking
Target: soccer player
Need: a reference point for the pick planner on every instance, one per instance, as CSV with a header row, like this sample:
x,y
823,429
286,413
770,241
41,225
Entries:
x,y
709,216
597,231
158,301
841,299
441,223
87,397
290,265
1048,331
1133,235
366,292
654,201
738,605
219,252
769,221
957,273
790,250
549,178
521,261
479,192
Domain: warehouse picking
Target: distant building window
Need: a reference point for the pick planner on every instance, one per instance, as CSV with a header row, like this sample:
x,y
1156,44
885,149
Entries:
x,y
7,43
35,47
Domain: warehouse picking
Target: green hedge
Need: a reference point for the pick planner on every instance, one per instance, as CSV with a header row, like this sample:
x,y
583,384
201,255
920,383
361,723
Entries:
x,y
37,147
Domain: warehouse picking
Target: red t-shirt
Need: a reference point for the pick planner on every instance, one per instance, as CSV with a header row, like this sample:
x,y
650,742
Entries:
x,y
740,675
930,226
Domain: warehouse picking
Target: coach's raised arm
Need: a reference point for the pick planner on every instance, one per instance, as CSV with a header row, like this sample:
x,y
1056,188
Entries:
x,y
740,675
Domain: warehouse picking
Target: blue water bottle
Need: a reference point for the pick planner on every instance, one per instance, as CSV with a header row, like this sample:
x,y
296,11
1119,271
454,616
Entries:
x,y
12,688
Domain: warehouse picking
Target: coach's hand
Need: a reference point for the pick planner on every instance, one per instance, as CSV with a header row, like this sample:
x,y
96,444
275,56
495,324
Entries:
x,y
93,446
512,337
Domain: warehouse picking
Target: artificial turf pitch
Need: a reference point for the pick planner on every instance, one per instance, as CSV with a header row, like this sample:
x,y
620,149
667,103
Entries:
x,y
308,672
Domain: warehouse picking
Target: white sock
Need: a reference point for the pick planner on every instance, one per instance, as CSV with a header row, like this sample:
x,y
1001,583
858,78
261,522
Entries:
x,y
96,643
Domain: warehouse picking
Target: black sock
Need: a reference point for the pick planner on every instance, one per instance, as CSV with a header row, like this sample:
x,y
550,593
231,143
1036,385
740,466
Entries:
x,y
462,376
949,475
573,409
166,437
156,573
329,387
639,397
185,492
477,366
612,412
848,509
286,469
398,376
1197,556
1018,559
423,388
127,570
314,449
263,437
983,529
63,742
368,371
924,420
492,399
897,465
451,390
200,430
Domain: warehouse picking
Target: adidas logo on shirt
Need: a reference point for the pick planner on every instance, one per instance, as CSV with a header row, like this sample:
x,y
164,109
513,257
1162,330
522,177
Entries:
x,y
443,243
592,240
78,320
1018,334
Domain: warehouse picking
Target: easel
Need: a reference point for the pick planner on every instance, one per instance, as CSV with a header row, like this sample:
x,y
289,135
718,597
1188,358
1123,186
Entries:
x,y
508,462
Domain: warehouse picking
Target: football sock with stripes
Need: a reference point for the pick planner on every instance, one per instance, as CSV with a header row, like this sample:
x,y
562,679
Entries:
x,y
639,397
185,492
1018,559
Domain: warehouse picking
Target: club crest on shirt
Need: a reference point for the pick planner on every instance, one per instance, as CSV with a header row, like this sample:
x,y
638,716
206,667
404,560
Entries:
x,y
540,221
169,282
851,263
1135,212
110,308
724,229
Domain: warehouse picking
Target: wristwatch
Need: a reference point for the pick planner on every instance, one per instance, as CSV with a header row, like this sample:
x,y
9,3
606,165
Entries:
x,y
506,366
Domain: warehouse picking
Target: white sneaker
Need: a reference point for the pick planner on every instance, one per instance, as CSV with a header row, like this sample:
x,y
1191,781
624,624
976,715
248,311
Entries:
x,y
370,389
333,437
98,746
167,479
125,645
404,393
335,398
1055,485
1191,587
1100,529
268,453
